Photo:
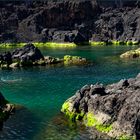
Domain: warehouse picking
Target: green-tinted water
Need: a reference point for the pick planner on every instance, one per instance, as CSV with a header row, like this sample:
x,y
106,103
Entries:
x,y
42,90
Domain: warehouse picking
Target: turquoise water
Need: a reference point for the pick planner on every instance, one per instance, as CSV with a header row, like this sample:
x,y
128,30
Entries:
x,y
42,90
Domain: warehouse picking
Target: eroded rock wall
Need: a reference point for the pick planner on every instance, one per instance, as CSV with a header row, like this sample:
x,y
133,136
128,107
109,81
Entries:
x,y
59,21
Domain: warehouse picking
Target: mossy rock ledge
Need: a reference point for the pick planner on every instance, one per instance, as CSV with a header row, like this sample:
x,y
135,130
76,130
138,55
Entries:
x,y
113,109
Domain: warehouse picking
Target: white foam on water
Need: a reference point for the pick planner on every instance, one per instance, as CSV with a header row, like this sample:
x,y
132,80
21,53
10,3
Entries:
x,y
10,80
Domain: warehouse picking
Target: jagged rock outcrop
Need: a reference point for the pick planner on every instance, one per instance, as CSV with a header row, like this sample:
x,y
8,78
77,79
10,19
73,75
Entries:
x,y
113,109
28,53
118,24
60,21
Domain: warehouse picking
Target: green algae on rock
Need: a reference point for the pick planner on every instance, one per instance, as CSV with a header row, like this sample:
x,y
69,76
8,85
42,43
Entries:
x,y
108,108
131,54
40,45
68,59
97,43
91,120
56,45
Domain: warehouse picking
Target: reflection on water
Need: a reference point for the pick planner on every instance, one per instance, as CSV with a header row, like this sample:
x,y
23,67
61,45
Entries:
x,y
60,128
20,126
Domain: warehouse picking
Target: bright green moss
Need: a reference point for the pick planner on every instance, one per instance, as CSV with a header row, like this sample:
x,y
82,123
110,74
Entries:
x,y
98,43
73,116
11,45
116,42
55,45
65,107
80,115
104,128
91,121
69,57
73,60
126,137
135,42
129,43
68,45
39,45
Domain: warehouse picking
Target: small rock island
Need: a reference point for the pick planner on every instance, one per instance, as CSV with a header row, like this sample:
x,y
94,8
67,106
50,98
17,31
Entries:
x,y
29,55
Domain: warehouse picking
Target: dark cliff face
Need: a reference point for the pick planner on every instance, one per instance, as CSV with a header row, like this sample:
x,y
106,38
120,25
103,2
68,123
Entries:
x,y
25,21
118,24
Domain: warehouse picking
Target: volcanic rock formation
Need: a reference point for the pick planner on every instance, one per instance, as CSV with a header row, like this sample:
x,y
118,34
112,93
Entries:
x,y
113,109
61,21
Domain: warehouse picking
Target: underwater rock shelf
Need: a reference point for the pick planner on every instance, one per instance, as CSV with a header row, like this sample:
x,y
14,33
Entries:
x,y
29,55
113,109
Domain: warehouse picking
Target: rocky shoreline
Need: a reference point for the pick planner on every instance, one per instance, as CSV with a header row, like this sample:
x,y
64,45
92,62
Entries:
x,y
79,22
111,109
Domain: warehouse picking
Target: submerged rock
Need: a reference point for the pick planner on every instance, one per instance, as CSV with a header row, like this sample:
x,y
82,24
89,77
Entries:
x,y
131,54
111,109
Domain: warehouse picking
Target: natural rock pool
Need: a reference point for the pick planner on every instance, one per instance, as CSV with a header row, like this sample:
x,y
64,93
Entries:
x,y
42,91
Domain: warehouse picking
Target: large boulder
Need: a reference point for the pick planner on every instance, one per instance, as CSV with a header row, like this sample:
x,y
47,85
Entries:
x,y
28,54
111,109
21,57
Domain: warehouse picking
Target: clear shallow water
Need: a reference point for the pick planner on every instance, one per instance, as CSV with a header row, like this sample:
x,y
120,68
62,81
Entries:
x,y
42,91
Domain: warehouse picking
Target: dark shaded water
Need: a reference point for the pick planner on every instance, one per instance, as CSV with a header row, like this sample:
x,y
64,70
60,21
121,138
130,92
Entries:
x,y
42,91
